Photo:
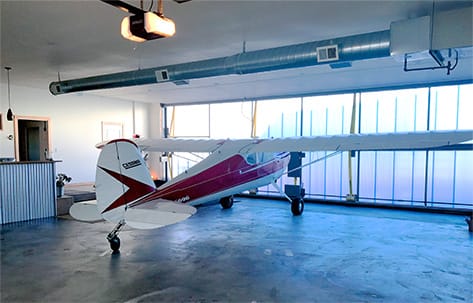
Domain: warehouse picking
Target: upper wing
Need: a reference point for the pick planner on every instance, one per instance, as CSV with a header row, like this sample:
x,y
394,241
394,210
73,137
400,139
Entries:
x,y
349,142
380,141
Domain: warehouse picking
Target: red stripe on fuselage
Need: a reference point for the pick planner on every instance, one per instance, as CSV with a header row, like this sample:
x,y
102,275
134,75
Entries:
x,y
229,173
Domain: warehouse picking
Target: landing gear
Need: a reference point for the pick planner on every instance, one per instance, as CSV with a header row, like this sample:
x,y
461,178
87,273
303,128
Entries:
x,y
469,221
295,193
226,202
297,206
113,238
115,244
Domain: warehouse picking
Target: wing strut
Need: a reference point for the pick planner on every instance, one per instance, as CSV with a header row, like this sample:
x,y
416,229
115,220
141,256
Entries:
x,y
315,161
279,189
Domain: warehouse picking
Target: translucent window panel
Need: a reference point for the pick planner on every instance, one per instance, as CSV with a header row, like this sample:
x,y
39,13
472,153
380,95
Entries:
x,y
367,183
333,176
389,176
443,108
465,107
403,176
394,173
315,121
398,110
278,118
327,115
231,120
329,177
464,179
451,108
378,112
411,115
376,176
418,178
411,109
189,121
441,177
369,113
384,175
314,175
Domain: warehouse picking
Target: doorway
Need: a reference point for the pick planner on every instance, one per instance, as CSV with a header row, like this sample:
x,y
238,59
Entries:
x,y
32,139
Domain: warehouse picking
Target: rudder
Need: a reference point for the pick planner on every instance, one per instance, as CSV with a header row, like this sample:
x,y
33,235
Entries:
x,y
121,178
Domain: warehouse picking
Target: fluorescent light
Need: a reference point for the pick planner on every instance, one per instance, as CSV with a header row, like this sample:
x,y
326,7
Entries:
x,y
147,26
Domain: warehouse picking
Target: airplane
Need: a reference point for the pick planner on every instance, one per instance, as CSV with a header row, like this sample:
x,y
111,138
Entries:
x,y
127,195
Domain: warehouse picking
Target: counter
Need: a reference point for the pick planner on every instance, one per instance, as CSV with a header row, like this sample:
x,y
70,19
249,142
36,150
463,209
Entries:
x,y
27,190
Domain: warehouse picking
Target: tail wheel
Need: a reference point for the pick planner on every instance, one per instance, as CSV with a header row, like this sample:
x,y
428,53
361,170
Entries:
x,y
115,244
226,202
297,206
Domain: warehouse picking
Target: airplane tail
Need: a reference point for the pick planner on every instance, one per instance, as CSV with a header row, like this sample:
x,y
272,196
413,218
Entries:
x,y
121,178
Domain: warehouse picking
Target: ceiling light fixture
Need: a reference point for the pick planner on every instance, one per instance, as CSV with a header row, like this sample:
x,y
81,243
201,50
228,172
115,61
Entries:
x,y
9,112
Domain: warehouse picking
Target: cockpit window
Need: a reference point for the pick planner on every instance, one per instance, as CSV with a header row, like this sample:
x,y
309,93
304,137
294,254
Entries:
x,y
256,158
252,158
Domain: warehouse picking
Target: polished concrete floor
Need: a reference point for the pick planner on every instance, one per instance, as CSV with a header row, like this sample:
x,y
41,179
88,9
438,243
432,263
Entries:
x,y
255,252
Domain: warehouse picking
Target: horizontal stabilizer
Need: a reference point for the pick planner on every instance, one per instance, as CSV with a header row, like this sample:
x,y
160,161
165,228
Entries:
x,y
157,214
85,211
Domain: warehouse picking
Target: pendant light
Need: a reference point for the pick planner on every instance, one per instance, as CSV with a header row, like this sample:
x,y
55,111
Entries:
x,y
9,112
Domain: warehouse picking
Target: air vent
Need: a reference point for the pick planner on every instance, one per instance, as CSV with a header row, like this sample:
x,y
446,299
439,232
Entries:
x,y
162,75
327,53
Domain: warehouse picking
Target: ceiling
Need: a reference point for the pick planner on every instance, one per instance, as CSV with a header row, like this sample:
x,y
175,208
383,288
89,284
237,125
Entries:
x,y
43,39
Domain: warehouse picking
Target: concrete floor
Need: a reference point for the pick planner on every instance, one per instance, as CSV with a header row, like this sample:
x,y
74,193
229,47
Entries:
x,y
254,252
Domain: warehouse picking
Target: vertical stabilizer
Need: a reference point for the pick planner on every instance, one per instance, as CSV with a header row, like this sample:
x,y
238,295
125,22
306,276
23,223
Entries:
x,y
121,178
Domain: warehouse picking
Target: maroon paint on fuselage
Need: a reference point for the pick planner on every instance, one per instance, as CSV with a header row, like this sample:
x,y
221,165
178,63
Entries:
x,y
229,173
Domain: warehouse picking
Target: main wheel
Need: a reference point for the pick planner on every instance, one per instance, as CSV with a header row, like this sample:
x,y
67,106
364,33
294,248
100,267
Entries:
x,y
297,206
226,202
115,243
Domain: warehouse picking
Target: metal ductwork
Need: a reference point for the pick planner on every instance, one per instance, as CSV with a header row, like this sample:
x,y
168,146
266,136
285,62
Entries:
x,y
345,49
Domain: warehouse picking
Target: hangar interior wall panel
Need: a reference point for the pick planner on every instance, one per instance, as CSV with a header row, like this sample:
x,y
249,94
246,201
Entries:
x,y
27,191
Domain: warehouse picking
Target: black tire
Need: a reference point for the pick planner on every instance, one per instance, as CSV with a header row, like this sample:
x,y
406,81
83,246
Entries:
x,y
297,206
115,244
226,202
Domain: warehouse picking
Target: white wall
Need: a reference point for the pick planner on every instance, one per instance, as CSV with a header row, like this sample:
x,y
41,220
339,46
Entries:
x,y
76,125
